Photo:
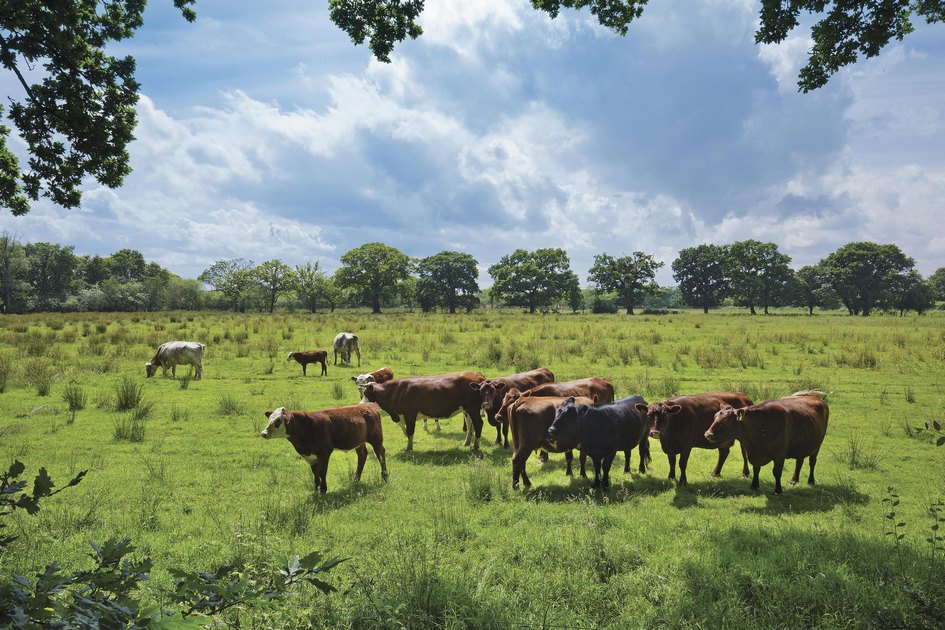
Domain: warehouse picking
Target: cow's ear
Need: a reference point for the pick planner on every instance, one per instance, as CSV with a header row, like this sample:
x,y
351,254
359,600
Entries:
x,y
740,414
594,398
500,385
641,408
270,412
582,410
354,379
570,400
475,386
724,407
674,409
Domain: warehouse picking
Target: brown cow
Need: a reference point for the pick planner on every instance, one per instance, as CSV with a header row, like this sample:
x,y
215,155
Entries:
x,y
310,356
775,430
491,392
315,434
437,397
530,418
680,424
380,375
599,389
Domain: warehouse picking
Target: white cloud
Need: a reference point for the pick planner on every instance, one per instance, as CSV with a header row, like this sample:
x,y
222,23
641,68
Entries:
x,y
785,59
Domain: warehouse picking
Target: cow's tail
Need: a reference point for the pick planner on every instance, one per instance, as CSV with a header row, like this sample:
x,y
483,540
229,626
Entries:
x,y
811,392
645,446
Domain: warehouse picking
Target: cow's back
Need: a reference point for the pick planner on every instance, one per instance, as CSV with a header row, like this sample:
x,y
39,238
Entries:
x,y
587,387
433,396
353,425
687,428
800,422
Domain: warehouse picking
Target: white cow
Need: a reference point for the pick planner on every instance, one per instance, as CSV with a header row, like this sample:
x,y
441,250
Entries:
x,y
346,343
174,353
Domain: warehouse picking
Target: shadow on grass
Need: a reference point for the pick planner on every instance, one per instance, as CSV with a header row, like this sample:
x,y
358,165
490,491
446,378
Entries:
x,y
346,494
456,455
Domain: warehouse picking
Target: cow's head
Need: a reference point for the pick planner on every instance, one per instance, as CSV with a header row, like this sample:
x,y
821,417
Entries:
x,y
289,356
490,393
276,426
726,425
567,423
150,368
369,392
513,394
657,416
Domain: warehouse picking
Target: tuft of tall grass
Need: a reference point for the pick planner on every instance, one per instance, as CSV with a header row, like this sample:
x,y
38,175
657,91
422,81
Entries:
x,y
337,391
76,398
39,374
229,405
857,456
179,415
128,428
184,381
6,369
127,394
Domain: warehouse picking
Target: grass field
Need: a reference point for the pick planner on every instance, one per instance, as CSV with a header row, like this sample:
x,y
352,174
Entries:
x,y
447,542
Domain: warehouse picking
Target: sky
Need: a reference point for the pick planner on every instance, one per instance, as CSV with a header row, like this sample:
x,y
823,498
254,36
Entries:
x,y
264,133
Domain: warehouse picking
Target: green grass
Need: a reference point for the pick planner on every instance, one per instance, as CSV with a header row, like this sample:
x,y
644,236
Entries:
x,y
446,542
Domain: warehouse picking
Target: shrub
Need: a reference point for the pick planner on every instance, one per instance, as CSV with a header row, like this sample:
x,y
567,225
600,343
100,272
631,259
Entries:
x,y
127,394
76,398
39,374
229,405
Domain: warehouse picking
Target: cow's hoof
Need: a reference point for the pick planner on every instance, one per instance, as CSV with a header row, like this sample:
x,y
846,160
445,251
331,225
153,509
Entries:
x,y
715,475
408,449
792,482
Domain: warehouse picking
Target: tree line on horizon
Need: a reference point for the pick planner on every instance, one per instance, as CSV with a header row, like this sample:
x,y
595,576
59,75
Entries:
x,y
861,277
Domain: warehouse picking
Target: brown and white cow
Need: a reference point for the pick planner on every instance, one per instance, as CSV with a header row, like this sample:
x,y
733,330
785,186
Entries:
x,y
680,424
174,353
491,392
380,375
345,343
438,397
310,356
315,434
599,389
530,418
774,430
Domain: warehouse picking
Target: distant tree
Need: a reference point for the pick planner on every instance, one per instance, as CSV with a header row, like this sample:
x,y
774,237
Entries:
x,y
703,275
93,269
234,279
534,280
123,296
127,265
937,280
154,285
14,274
759,274
575,294
812,289
630,278
862,273
911,292
184,294
51,276
276,279
448,280
329,293
407,292
373,272
309,279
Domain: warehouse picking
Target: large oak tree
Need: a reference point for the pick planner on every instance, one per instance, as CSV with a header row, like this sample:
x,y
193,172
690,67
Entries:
x,y
373,272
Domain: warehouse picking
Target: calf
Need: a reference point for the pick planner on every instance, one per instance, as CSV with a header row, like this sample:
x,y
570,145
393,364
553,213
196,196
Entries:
x,y
174,353
438,397
345,343
315,434
601,431
775,430
381,375
680,424
310,356
530,418
492,391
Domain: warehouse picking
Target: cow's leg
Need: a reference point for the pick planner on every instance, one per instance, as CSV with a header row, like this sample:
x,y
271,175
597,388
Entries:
x,y
304,373
744,460
174,370
399,422
672,465
626,461
436,422
316,476
542,456
475,419
644,449
381,455
778,469
425,429
324,367
683,462
797,470
723,455
597,465
505,434
813,462
584,464
568,459
323,471
410,425
359,356
518,468
608,462
362,457
336,357
754,480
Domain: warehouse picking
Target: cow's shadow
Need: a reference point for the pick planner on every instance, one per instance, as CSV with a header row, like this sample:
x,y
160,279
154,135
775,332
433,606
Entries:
x,y
450,456
804,498
350,492
623,488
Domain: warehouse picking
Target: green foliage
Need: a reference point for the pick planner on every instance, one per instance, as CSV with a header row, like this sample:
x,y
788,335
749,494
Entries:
x,y
811,288
937,280
703,275
535,280
6,370
276,279
630,278
759,274
448,280
89,137
373,272
229,405
864,274
233,278
13,497
39,374
75,397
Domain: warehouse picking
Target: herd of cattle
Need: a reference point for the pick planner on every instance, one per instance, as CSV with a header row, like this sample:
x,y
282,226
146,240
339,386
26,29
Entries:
x,y
543,415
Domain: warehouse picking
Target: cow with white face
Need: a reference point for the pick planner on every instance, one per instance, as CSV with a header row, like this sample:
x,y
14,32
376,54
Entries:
x,y
344,344
380,375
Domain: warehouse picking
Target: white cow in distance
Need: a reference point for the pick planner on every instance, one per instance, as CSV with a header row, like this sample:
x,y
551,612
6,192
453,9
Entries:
x,y
174,353
346,343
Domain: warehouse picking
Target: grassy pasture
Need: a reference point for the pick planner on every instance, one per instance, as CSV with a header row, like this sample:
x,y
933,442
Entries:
x,y
447,542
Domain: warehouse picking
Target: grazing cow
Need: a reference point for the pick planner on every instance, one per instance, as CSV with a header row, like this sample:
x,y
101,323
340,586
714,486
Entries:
x,y
315,434
680,424
492,391
601,431
774,430
530,418
438,397
174,353
346,343
381,375
310,356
